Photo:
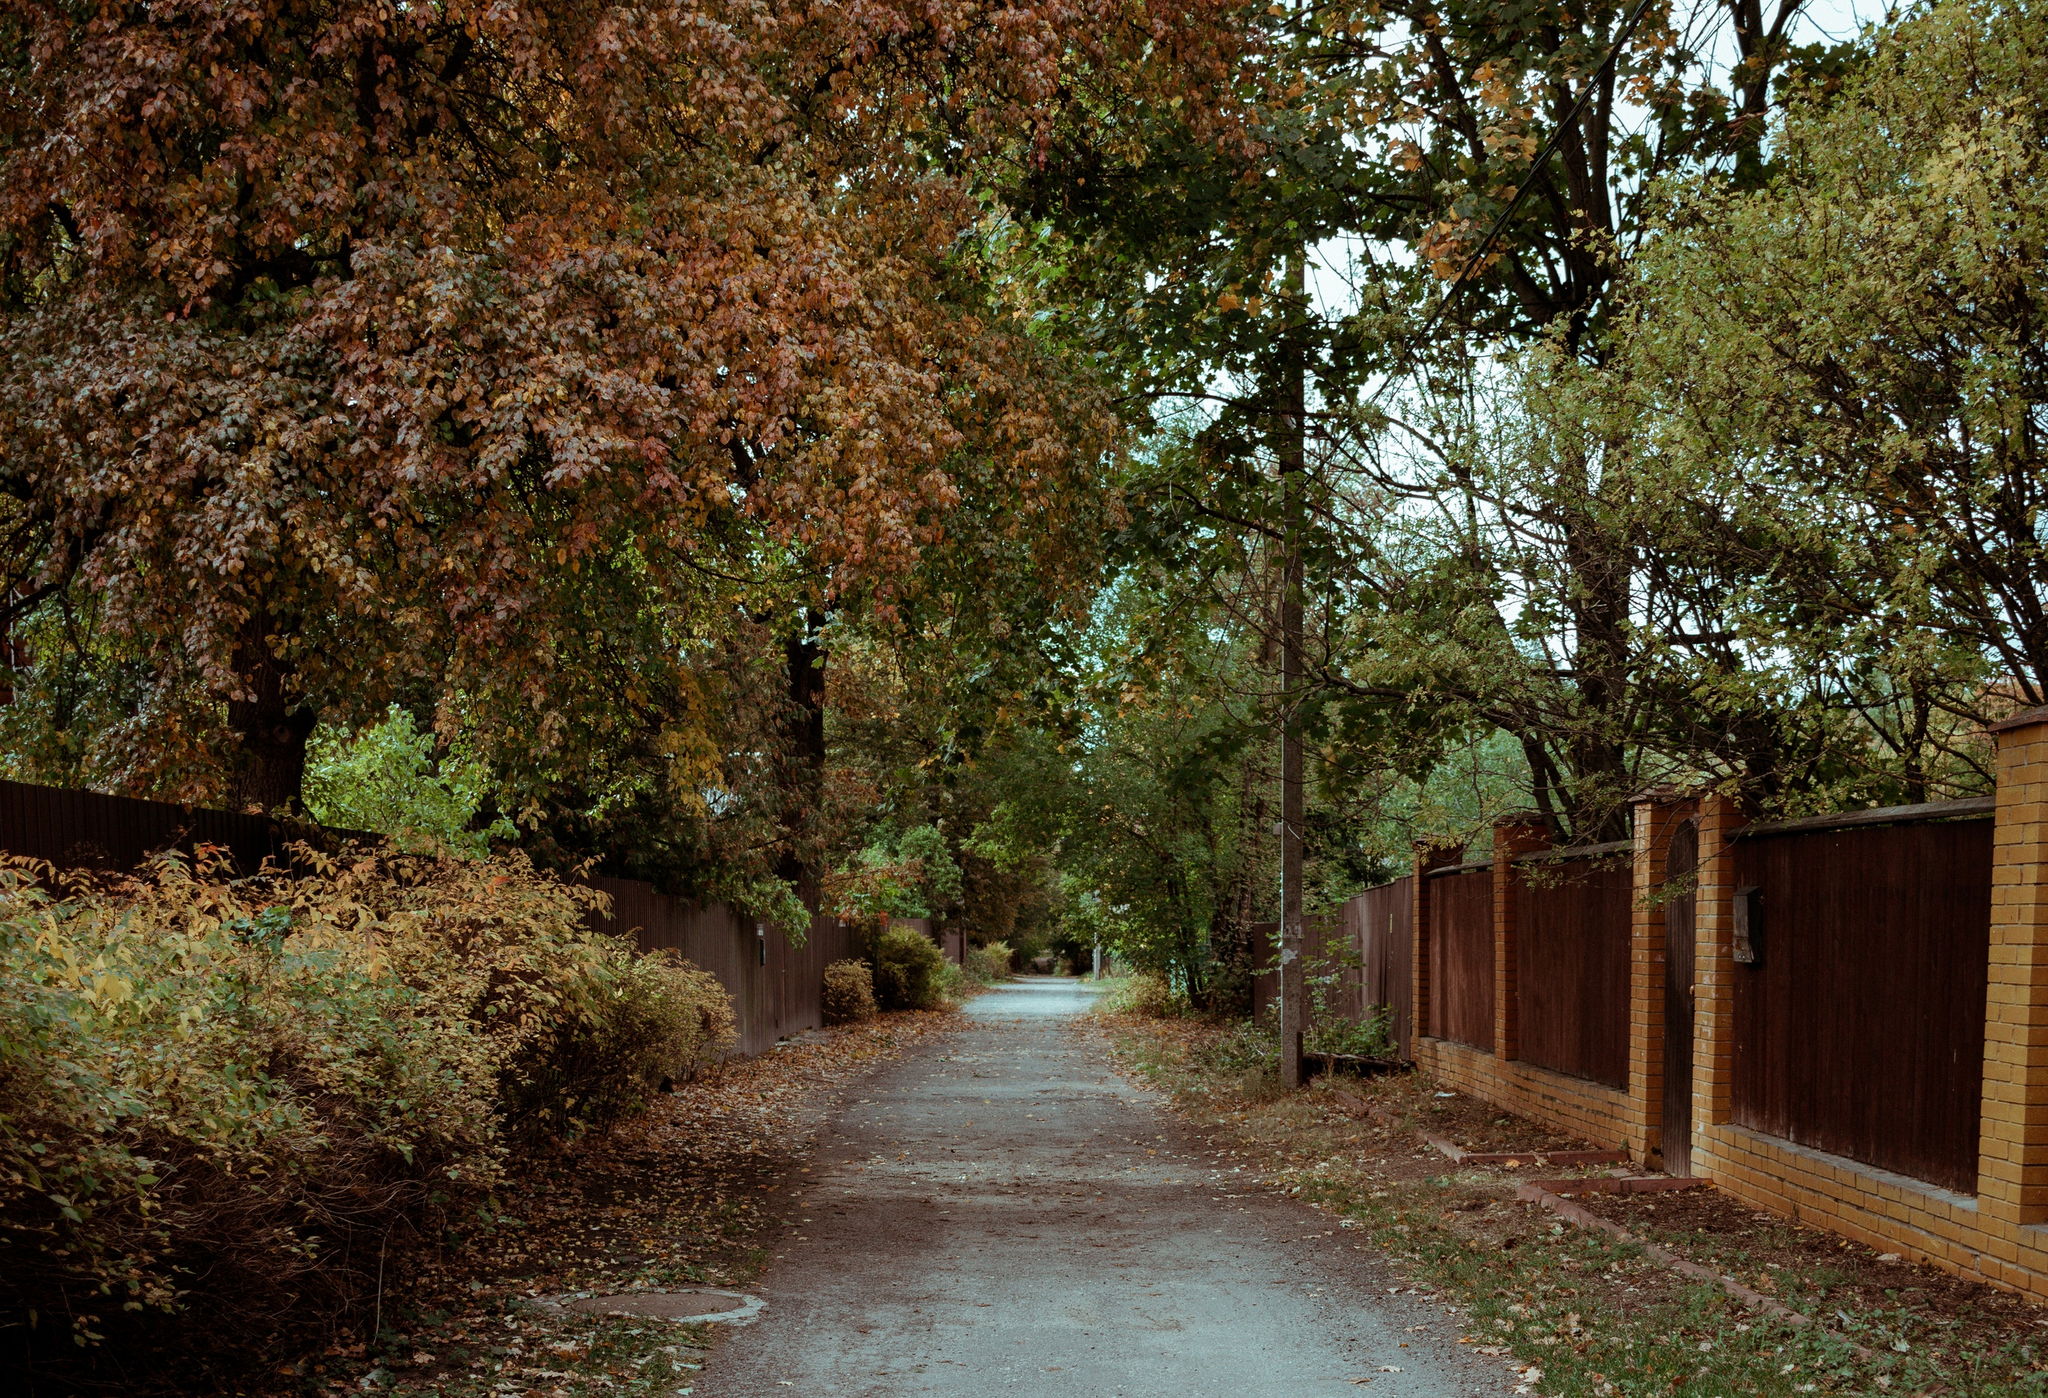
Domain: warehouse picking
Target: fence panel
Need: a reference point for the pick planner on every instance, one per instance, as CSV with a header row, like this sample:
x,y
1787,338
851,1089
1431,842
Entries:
x,y
85,830
1324,952
1859,1029
777,989
1571,949
1381,923
1461,958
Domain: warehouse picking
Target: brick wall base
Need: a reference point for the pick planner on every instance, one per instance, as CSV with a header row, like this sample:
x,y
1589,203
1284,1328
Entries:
x,y
1892,1213
1589,1110
1919,1221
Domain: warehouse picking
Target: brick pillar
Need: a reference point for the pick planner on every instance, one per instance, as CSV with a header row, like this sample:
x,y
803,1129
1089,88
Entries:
x,y
1713,1042
2012,1149
1512,835
1657,815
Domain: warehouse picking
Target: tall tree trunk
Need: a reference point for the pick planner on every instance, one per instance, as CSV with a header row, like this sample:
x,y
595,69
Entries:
x,y
1293,463
273,724
804,652
1600,567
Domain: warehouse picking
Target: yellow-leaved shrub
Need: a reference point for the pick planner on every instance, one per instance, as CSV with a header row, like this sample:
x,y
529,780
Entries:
x,y
245,1096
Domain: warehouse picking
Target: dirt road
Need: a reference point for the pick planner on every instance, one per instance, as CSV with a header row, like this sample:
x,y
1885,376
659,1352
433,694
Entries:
x,y
1002,1214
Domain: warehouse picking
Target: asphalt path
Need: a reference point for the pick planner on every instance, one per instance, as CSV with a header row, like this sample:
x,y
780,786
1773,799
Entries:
x,y
1001,1213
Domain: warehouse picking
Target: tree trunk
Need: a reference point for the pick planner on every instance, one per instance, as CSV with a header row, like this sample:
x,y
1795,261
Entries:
x,y
1293,807
804,652
272,723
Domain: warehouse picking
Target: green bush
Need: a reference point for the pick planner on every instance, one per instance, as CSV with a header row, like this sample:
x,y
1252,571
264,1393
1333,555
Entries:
x,y
645,1021
1370,1037
908,970
989,964
246,1098
849,992
1144,994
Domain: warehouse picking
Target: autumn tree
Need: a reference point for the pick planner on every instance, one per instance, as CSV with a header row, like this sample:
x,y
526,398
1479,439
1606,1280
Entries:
x,y
351,354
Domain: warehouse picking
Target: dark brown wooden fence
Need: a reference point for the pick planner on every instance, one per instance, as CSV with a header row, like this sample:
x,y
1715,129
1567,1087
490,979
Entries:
x,y
775,987
1365,950
85,830
1859,1029
1324,953
1571,948
1461,957
1381,922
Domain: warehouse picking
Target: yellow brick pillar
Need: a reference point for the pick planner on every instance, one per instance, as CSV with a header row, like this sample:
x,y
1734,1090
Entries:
x,y
1713,1041
1512,835
1657,815
2012,1141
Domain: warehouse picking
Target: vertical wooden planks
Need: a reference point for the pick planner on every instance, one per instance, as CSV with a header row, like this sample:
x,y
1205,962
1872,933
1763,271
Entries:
x,y
1859,1030
1572,948
1461,970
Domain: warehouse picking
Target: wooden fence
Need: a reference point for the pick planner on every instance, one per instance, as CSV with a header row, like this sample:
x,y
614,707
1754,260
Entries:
x,y
776,988
85,830
1859,1026
1362,953
1461,969
1380,922
1571,955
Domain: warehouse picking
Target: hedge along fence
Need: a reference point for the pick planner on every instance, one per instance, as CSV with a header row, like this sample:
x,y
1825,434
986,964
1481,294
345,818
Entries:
x,y
776,988
241,1097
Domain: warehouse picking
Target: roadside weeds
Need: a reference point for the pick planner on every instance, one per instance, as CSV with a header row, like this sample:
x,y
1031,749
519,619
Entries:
x,y
1574,1311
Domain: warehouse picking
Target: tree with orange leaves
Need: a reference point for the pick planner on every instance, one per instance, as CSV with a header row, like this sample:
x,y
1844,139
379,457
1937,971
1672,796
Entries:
x,y
349,349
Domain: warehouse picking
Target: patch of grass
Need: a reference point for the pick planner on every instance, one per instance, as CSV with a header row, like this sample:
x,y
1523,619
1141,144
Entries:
x,y
1579,1314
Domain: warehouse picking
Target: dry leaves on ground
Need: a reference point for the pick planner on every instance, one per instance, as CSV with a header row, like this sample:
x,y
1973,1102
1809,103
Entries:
x,y
1574,1312
687,1196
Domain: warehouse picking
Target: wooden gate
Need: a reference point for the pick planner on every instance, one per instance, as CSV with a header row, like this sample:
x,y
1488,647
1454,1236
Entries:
x,y
1681,864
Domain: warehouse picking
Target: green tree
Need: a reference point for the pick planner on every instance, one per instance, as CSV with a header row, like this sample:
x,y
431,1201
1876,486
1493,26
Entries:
x,y
1855,352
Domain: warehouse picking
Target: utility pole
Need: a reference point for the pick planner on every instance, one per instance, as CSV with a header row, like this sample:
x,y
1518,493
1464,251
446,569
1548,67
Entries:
x,y
1292,452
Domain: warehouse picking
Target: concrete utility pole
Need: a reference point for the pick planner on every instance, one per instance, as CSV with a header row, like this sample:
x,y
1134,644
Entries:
x,y
1293,462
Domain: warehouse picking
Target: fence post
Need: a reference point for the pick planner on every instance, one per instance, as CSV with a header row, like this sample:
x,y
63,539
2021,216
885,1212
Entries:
x,y
1512,835
1657,814
1713,1031
2012,1142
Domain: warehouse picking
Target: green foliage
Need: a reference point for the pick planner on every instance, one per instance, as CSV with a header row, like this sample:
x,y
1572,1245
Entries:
x,y
1144,993
938,877
640,1022
908,969
1370,1037
387,778
989,964
235,1096
849,994
907,875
